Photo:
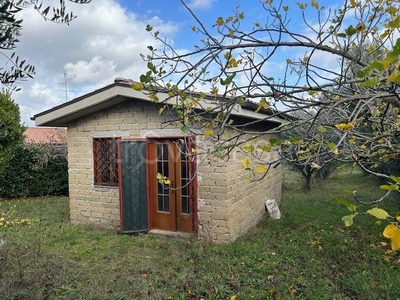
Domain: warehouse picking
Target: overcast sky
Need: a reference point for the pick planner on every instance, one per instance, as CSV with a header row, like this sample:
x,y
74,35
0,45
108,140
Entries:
x,y
104,42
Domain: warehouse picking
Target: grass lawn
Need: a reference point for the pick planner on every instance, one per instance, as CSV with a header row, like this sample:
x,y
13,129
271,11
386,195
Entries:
x,y
308,254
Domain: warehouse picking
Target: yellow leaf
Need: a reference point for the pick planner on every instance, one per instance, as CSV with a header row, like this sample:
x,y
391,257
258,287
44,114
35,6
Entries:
x,y
167,181
207,133
234,297
344,126
246,163
315,166
393,77
398,218
232,63
267,148
315,4
219,21
263,102
378,213
248,147
335,151
360,27
348,220
385,34
392,232
137,86
261,169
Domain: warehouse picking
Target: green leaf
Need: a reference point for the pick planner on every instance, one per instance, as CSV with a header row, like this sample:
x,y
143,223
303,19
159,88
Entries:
x,y
378,213
348,220
228,79
364,72
185,129
392,187
146,78
345,202
370,82
350,31
274,142
342,35
331,146
395,178
151,67
348,192
242,102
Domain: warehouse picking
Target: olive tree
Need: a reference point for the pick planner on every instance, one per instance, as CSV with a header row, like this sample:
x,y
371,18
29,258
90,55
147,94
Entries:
x,y
14,68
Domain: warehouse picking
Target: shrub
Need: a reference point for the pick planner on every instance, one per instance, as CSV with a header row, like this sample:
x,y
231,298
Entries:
x,y
35,170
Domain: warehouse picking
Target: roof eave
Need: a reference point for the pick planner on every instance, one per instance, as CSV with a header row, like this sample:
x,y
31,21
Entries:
x,y
117,93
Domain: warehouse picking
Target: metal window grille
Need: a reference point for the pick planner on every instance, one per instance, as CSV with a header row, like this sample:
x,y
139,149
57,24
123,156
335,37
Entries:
x,y
105,154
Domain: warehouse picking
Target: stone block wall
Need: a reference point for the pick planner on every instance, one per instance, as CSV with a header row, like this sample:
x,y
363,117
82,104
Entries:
x,y
213,201
248,196
91,204
230,203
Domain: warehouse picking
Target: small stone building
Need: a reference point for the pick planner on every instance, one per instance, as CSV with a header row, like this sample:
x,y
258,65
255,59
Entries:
x,y
119,144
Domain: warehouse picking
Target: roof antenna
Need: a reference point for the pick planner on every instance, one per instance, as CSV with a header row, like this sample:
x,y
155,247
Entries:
x,y
65,86
65,90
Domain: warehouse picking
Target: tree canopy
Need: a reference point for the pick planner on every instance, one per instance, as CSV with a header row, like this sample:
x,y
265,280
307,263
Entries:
x,y
335,74
11,131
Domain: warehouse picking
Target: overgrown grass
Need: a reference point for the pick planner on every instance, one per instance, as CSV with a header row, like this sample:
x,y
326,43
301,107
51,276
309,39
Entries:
x,y
308,254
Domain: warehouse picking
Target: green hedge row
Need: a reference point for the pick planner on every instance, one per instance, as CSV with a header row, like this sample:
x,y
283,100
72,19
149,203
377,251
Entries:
x,y
35,170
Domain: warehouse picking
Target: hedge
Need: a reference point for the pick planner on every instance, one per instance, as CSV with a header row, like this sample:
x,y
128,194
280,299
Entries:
x,y
35,170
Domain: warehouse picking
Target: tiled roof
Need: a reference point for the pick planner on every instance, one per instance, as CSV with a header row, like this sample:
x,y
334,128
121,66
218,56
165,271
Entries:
x,y
45,135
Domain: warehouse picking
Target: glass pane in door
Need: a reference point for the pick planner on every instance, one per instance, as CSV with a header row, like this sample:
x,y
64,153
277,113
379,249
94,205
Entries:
x,y
163,200
185,180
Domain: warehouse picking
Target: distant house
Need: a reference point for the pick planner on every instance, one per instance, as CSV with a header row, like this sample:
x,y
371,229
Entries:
x,y
45,135
118,144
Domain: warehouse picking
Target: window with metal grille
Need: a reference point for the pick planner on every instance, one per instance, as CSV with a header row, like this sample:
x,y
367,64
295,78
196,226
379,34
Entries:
x,y
105,161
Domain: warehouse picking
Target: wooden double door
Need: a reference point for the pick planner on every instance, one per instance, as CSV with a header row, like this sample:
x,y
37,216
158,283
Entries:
x,y
171,185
